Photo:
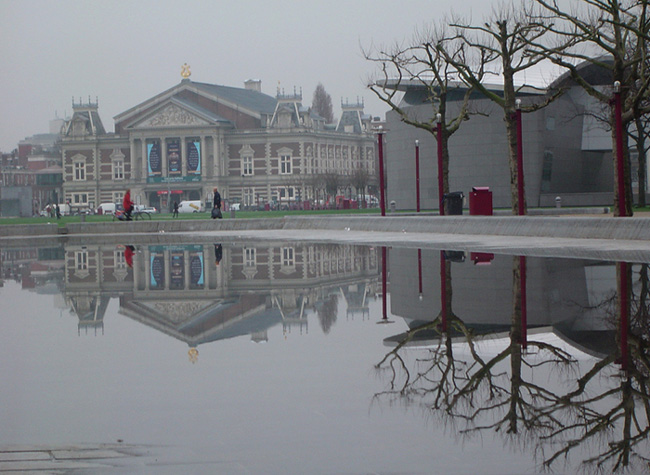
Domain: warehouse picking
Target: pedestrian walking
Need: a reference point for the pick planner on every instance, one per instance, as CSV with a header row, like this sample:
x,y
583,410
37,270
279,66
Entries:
x,y
216,205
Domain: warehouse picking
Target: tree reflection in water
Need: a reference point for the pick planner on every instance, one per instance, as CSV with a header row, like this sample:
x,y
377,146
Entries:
x,y
605,411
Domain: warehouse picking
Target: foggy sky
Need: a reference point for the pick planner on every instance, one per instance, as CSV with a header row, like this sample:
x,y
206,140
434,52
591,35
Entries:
x,y
124,52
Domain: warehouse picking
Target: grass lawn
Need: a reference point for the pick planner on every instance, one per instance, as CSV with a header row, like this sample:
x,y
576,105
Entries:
x,y
185,216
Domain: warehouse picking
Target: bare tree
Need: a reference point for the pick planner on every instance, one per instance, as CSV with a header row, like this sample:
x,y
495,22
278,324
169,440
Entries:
x,y
322,103
332,183
422,63
612,35
502,44
360,179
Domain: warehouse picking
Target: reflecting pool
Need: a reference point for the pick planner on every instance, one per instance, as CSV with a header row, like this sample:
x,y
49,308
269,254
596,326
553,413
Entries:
x,y
229,357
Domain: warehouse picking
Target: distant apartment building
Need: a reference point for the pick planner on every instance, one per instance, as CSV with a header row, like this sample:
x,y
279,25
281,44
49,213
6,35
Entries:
x,y
187,140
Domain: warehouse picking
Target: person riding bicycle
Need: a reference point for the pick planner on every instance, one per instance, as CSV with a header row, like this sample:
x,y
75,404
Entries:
x,y
128,205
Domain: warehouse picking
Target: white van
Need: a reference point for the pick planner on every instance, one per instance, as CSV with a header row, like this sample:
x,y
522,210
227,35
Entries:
x,y
106,208
191,206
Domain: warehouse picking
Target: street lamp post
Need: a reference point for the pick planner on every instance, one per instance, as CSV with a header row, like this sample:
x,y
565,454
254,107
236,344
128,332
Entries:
x,y
417,176
382,192
620,162
520,161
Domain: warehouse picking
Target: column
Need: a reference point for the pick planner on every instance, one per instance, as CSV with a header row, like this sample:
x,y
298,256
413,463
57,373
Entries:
x,y
145,171
212,166
168,265
163,153
183,145
204,156
147,269
132,160
186,270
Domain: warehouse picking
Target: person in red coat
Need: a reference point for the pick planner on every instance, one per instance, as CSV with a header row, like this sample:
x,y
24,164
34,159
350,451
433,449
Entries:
x,y
127,204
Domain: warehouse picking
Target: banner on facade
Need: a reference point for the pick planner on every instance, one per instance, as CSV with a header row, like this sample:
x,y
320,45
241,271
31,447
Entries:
x,y
196,269
157,272
154,160
177,270
174,157
194,157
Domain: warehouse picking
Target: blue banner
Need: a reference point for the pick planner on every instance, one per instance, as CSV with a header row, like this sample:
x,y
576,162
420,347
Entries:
x,y
154,160
194,157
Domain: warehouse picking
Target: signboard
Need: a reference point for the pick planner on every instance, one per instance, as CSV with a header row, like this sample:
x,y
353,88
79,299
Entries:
x,y
177,270
194,157
174,157
157,272
196,269
173,179
154,160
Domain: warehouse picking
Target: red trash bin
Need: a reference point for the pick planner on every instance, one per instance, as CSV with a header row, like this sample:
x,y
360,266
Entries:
x,y
480,201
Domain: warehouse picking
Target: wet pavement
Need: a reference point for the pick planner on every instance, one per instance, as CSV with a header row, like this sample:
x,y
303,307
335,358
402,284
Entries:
x,y
300,399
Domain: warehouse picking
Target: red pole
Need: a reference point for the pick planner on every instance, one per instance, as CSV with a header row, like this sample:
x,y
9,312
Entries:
x,y
440,190
623,291
420,273
520,161
380,148
620,165
417,176
524,308
384,309
443,291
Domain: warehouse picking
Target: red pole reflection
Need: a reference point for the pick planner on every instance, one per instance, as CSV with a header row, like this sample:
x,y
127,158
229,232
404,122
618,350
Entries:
x,y
524,306
443,291
625,309
417,176
420,273
384,308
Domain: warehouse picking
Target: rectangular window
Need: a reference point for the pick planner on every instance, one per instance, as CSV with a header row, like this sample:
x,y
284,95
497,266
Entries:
x,y
118,170
120,261
79,171
80,198
249,257
248,196
81,260
286,193
288,259
247,166
285,165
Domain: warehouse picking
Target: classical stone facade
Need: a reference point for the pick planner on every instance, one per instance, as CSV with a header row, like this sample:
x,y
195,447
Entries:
x,y
180,144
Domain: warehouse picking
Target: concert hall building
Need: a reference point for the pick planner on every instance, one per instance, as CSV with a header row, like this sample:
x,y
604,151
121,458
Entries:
x,y
180,144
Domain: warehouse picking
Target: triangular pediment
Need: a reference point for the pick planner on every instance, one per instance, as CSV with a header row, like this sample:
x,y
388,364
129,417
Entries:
x,y
177,312
171,114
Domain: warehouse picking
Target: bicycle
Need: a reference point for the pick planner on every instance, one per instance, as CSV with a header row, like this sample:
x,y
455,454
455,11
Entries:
x,y
135,216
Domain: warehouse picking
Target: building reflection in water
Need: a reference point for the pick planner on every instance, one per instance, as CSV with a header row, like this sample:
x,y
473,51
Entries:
x,y
200,293
565,387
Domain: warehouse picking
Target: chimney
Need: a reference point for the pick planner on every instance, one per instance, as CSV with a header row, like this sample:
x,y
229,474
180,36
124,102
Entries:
x,y
253,85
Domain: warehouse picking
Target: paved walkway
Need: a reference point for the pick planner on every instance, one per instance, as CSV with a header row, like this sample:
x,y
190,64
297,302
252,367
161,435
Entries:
x,y
596,237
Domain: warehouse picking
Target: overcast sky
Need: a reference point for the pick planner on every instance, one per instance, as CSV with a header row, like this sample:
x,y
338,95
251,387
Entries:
x,y
124,52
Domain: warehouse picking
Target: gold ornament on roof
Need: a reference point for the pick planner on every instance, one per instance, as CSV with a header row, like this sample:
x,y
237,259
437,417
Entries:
x,y
185,71
193,354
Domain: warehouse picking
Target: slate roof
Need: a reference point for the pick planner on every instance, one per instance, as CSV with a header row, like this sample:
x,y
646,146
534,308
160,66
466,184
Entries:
x,y
247,98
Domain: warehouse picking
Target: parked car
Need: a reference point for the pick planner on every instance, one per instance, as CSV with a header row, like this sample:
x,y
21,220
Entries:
x,y
107,208
145,209
191,207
